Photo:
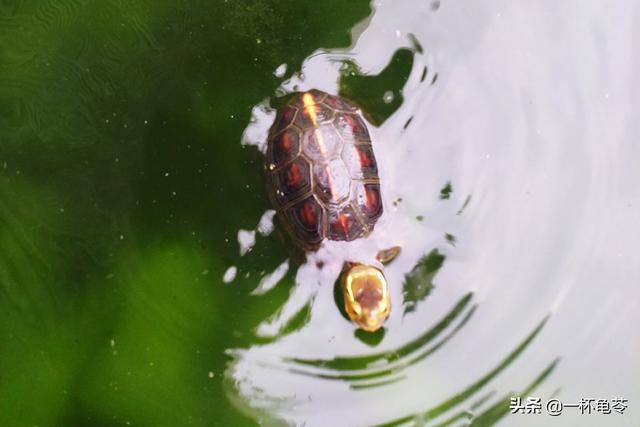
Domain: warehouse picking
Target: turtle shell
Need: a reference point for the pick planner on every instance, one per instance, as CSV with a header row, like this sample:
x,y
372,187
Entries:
x,y
322,174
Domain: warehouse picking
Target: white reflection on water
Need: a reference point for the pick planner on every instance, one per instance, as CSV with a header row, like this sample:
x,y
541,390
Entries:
x,y
533,115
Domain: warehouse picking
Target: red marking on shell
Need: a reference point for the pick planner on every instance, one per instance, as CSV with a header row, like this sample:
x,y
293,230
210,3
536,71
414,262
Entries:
x,y
292,181
369,201
285,142
360,161
293,175
352,123
356,126
343,222
365,160
306,218
284,146
343,225
373,198
308,214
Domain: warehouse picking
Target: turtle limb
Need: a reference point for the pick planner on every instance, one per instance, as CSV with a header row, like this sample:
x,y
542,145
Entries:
x,y
385,256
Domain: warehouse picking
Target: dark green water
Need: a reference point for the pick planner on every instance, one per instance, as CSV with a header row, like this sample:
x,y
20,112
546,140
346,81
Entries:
x,y
122,185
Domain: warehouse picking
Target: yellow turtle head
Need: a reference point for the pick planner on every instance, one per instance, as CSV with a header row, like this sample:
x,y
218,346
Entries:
x,y
366,296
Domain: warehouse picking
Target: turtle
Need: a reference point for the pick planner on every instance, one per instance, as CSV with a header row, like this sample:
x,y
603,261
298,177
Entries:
x,y
322,179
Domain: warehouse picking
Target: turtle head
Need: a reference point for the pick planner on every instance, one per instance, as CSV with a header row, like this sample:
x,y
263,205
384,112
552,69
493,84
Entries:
x,y
366,296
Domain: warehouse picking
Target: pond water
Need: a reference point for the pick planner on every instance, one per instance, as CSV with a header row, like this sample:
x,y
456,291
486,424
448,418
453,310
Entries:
x,y
144,279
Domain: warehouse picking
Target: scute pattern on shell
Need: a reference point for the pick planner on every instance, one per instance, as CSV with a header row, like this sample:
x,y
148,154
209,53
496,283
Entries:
x,y
322,174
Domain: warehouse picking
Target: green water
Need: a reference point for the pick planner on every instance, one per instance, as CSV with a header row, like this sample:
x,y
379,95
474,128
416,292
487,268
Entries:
x,y
122,185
